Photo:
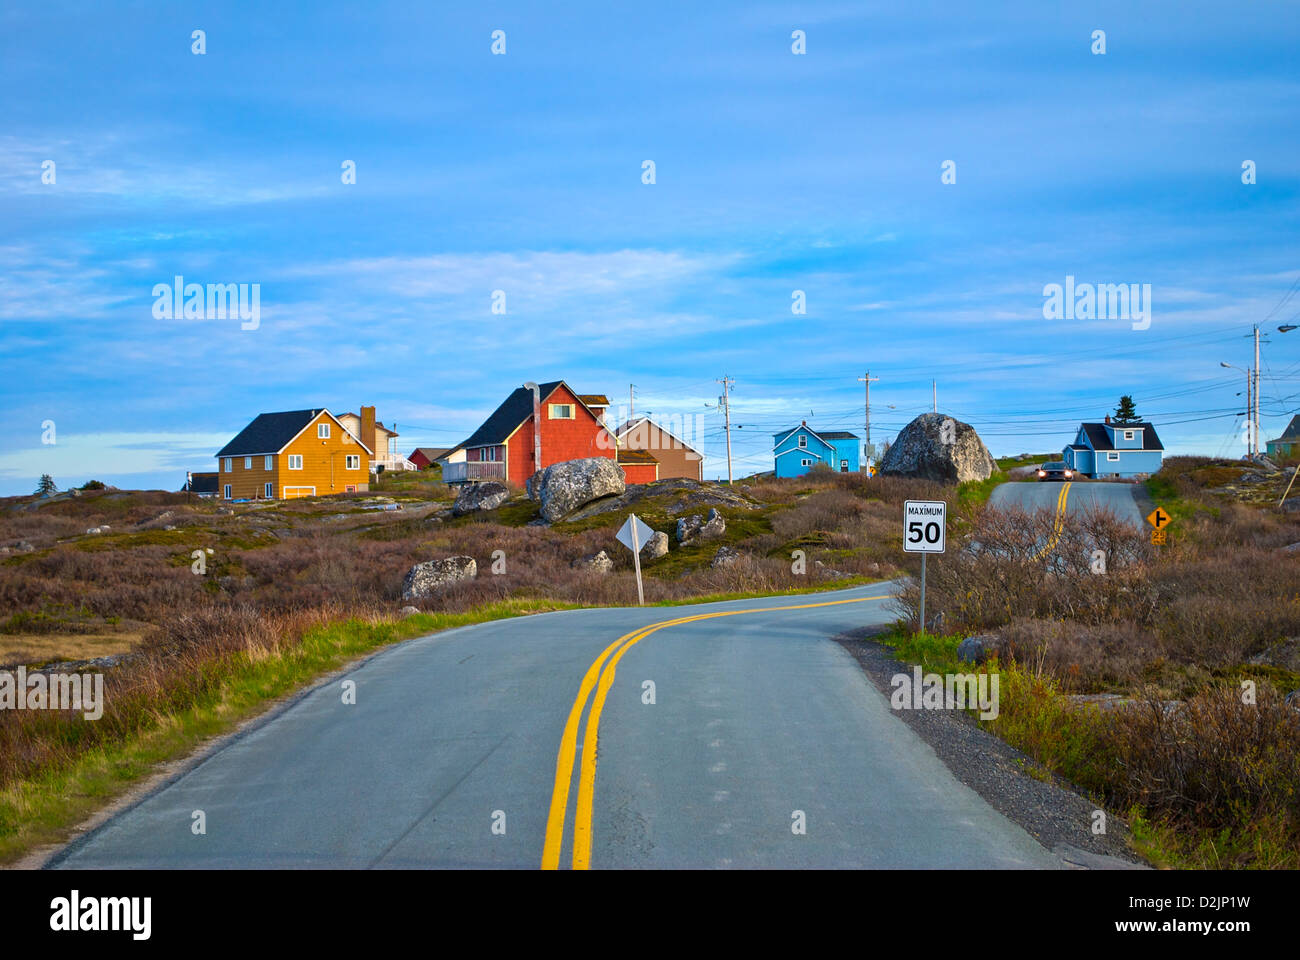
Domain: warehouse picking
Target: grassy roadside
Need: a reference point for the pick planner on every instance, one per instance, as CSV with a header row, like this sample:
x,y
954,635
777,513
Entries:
x,y
43,809
1087,747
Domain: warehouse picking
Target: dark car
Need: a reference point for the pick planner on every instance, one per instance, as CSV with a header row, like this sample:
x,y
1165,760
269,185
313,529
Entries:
x,y
1054,470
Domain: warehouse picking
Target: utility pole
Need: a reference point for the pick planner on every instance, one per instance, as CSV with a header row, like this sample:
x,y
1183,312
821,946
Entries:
x,y
934,386
1255,433
866,382
631,401
725,402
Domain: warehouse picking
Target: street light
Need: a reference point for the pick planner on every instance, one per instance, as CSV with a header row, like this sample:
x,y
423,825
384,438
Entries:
x,y
1247,373
1286,328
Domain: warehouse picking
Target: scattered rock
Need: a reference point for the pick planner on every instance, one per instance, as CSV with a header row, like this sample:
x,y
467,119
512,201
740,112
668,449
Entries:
x,y
409,611
598,562
655,547
725,557
1293,700
980,647
564,487
830,572
1291,547
937,447
476,497
93,530
425,579
690,494
695,527
1285,654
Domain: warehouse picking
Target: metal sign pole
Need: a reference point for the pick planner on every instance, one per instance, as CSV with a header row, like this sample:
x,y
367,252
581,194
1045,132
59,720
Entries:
x,y
923,593
636,559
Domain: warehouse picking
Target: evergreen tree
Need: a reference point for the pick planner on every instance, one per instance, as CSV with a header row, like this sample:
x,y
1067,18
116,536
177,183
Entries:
x,y
1126,412
46,486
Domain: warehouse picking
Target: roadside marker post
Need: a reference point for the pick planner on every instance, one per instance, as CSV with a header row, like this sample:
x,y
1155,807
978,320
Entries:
x,y
632,535
925,524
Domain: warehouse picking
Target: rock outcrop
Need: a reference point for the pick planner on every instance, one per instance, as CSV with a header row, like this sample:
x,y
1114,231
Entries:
x,y
426,579
480,496
564,487
937,447
695,527
725,557
597,562
655,547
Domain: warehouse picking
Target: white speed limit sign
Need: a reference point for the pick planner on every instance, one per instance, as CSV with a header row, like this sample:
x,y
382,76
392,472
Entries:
x,y
924,522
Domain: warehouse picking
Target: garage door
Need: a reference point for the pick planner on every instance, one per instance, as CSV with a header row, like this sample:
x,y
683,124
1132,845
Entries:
x,y
291,493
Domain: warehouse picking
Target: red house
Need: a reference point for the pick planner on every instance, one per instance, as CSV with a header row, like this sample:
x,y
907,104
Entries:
x,y
506,446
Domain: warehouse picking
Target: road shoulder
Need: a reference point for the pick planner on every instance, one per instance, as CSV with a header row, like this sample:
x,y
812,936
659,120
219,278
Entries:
x,y
1053,813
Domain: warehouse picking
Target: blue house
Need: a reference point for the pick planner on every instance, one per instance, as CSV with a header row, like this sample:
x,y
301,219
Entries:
x,y
801,448
1114,450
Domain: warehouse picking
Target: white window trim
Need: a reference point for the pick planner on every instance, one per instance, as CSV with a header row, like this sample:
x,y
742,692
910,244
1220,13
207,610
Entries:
x,y
226,492
269,491
268,461
322,431
805,462
248,463
803,441
552,413
352,461
228,464
292,458
1112,456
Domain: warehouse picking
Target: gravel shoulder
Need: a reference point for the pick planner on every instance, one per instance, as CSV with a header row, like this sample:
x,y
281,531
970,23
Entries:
x,y
1049,809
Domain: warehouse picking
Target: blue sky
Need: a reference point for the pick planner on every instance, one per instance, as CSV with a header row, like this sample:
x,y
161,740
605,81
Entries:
x,y
774,172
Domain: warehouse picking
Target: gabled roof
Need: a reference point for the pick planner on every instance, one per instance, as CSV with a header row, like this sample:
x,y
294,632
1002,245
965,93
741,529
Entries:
x,y
594,399
379,424
432,453
1099,438
506,419
272,432
838,435
635,456
629,424
1292,431
200,483
823,437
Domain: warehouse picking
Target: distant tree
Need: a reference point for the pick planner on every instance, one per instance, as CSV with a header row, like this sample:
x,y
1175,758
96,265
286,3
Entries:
x,y
46,486
1126,412
92,485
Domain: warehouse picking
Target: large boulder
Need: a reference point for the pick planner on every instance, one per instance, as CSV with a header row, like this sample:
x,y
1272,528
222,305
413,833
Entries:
x,y
937,447
980,647
655,547
564,487
480,496
725,557
696,527
426,579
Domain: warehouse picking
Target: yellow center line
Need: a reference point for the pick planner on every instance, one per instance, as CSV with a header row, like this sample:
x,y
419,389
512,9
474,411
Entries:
x,y
1058,521
564,761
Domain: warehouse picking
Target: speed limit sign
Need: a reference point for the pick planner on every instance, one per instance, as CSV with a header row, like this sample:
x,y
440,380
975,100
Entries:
x,y
924,522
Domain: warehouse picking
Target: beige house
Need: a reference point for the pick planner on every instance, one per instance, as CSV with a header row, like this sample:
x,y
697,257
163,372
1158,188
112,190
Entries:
x,y
676,457
380,439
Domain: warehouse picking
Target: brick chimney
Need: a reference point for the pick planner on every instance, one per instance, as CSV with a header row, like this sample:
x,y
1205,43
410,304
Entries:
x,y
368,429
1108,418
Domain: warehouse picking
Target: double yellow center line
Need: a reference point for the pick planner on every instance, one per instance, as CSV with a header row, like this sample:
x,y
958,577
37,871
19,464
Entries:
x,y
600,675
1058,522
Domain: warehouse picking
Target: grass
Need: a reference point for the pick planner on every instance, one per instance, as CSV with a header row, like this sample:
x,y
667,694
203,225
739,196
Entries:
x,y
42,809
974,492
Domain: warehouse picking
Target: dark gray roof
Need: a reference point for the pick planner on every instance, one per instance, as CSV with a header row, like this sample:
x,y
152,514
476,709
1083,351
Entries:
x,y
825,435
200,483
1292,431
269,432
1099,439
516,408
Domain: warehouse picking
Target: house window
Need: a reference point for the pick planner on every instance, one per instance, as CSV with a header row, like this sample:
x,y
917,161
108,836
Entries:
x,y
805,462
248,463
490,454
1128,434
803,442
561,411
353,461
1112,456
295,461
323,431
267,461
270,490
229,464
226,492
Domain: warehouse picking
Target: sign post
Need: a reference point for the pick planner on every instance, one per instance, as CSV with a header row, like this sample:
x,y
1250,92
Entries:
x,y
925,524
632,535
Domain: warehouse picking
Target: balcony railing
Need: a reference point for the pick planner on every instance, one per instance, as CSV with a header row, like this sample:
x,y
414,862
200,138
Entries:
x,y
392,461
469,470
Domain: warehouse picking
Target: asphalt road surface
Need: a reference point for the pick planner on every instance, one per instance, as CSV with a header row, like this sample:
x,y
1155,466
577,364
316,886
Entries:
x,y
472,748
1121,498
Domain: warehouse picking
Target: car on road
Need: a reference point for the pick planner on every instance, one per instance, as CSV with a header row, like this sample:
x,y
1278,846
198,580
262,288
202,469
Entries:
x,y
1054,470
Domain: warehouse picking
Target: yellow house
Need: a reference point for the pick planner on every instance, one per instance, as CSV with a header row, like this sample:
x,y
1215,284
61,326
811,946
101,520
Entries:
x,y
298,453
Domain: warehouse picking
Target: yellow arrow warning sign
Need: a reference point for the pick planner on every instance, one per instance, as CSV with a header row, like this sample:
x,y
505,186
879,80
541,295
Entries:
x,y
1158,518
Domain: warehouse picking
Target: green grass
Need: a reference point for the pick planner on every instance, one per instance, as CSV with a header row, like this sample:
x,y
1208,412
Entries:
x,y
1006,463
978,491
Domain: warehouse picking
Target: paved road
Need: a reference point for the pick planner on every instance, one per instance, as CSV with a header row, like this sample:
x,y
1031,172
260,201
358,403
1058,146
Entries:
x,y
1121,498
756,716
